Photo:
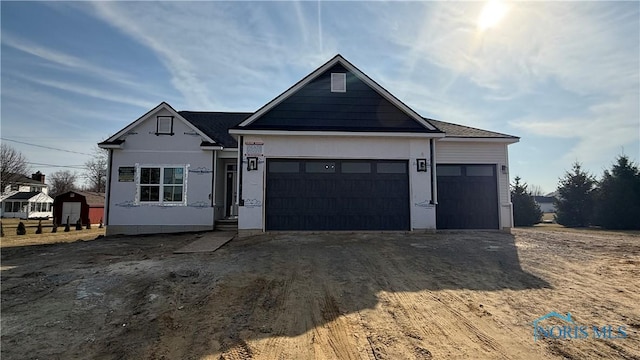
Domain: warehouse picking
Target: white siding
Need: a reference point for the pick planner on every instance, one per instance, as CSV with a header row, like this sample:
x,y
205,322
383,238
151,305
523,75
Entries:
x,y
468,152
143,147
251,217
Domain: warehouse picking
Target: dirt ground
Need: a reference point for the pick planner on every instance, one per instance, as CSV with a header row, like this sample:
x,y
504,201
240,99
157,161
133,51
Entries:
x,y
468,295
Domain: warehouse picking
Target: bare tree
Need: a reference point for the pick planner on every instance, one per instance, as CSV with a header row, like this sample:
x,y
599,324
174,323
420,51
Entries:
x,y
536,190
61,182
12,165
96,170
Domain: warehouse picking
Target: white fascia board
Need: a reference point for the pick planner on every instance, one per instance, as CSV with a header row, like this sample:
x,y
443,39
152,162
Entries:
x,y
471,139
337,133
211,147
362,76
148,114
110,146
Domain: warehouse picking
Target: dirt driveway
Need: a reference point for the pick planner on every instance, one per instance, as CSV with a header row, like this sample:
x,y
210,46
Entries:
x,y
369,296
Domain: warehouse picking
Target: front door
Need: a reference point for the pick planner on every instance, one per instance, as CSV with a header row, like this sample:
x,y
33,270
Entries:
x,y
231,191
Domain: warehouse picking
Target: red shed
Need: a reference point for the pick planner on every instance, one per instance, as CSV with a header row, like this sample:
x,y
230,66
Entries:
x,y
89,206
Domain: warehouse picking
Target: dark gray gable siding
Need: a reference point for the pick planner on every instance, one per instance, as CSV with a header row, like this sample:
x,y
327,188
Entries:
x,y
315,108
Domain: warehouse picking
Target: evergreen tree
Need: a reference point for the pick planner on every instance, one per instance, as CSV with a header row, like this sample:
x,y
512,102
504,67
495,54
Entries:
x,y
526,211
574,203
618,198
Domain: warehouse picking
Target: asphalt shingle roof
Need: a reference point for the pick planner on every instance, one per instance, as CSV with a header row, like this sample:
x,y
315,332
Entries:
x,y
22,196
216,124
455,130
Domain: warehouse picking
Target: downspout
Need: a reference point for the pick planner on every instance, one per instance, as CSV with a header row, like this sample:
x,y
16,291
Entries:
x,y
213,184
108,188
432,157
239,200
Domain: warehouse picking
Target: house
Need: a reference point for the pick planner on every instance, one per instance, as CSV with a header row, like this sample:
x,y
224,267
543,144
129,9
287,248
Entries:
x,y
336,151
546,203
84,205
26,198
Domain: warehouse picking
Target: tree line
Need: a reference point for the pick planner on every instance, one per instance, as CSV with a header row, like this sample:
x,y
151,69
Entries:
x,y
612,202
14,164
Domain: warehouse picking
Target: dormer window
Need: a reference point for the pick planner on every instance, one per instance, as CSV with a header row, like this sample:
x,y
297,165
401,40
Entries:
x,y
164,125
338,82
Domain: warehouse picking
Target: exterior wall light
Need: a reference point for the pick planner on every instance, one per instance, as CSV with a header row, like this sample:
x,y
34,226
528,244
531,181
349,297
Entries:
x,y
252,163
421,165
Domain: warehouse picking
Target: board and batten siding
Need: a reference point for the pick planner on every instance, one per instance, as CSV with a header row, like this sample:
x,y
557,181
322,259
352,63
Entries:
x,y
142,147
469,152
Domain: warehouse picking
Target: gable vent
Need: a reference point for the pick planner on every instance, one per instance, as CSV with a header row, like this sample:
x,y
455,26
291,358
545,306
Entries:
x,y
338,82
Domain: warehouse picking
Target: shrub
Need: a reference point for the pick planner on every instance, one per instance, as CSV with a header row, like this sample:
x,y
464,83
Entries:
x,y
21,229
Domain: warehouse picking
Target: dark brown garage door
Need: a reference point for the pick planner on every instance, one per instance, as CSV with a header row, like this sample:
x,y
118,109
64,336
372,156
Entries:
x,y
467,197
337,195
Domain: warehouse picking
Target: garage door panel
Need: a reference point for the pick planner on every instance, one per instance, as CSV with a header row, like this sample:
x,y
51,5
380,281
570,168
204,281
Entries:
x,y
467,197
324,198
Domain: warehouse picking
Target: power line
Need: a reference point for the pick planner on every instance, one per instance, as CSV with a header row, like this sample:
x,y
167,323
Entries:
x,y
46,147
79,167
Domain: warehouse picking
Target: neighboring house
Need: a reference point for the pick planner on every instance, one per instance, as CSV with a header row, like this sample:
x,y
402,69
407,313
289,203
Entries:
x,y
336,151
84,205
23,183
26,198
546,203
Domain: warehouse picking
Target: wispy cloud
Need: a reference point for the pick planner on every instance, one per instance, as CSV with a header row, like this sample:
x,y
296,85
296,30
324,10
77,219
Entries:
x,y
66,60
206,49
87,91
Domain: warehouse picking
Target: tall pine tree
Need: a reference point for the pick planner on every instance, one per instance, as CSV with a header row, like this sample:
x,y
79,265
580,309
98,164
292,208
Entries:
x,y
574,203
526,211
618,198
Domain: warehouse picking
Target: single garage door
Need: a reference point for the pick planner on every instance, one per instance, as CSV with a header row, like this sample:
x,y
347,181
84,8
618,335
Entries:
x,y
337,195
467,197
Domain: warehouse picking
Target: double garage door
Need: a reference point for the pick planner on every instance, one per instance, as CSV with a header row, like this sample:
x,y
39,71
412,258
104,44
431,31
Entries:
x,y
306,194
467,197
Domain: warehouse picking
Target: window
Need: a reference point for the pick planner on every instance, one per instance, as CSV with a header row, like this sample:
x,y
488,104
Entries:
x,y
392,168
16,206
320,167
173,184
356,167
162,184
164,125
480,170
284,167
449,170
338,82
8,206
33,207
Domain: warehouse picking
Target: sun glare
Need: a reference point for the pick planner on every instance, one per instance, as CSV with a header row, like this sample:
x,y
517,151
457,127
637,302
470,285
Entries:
x,y
491,14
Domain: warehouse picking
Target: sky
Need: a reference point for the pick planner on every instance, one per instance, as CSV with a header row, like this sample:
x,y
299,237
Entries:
x,y
563,76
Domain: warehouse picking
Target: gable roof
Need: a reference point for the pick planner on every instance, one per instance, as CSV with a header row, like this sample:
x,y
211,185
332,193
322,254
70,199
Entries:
x,y
462,131
93,199
216,124
311,96
115,139
24,180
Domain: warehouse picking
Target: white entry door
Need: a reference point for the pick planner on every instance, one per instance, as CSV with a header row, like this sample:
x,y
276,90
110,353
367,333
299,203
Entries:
x,y
72,210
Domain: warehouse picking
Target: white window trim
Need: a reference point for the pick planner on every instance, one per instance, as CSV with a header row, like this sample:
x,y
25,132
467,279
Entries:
x,y
168,119
160,202
339,78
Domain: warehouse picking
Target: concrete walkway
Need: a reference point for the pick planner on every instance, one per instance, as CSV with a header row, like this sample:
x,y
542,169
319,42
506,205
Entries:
x,y
209,242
